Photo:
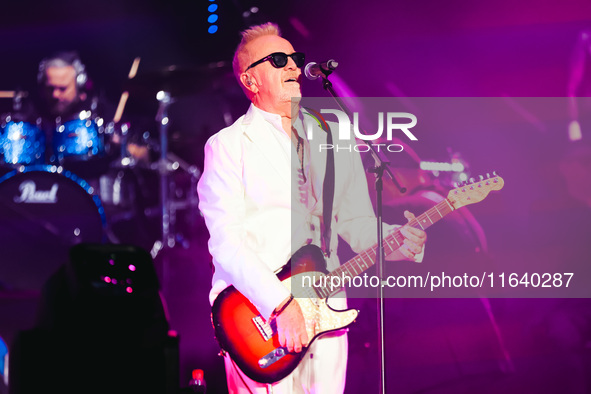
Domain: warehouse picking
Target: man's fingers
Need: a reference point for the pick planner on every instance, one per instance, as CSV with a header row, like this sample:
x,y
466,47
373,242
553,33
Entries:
x,y
415,231
282,340
412,247
291,328
295,343
409,215
290,344
407,252
415,235
292,341
301,342
304,339
411,235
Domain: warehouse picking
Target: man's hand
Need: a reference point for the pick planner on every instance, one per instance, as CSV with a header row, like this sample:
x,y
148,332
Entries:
x,y
291,327
414,240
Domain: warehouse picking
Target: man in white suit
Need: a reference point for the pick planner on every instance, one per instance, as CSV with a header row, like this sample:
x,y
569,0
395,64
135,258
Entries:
x,y
260,206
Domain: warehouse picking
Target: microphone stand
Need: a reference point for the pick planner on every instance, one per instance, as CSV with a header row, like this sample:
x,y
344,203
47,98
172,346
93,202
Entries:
x,y
378,170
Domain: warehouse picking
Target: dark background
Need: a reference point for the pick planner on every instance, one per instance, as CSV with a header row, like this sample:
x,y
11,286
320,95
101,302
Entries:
x,y
402,49
413,49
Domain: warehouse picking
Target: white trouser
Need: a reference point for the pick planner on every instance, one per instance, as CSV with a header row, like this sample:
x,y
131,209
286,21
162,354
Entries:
x,y
321,371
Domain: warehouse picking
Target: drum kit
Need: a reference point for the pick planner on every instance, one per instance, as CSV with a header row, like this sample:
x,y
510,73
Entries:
x,y
72,184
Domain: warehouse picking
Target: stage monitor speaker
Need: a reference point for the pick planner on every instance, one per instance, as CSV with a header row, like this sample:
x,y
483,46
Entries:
x,y
102,327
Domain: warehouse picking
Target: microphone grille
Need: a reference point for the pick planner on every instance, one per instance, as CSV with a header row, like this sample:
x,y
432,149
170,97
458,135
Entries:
x,y
332,64
308,73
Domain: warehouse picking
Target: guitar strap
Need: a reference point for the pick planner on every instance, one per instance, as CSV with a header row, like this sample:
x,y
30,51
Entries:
x,y
327,186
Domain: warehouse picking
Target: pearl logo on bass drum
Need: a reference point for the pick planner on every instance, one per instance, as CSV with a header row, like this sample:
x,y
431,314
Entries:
x,y
30,194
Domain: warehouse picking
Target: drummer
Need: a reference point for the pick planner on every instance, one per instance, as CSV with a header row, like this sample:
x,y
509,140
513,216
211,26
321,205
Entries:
x,y
64,84
67,97
72,111
77,122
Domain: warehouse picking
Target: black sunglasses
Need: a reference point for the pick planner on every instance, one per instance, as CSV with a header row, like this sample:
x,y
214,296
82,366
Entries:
x,y
279,59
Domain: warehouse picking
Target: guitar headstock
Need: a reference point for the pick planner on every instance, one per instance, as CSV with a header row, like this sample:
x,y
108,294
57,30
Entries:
x,y
475,191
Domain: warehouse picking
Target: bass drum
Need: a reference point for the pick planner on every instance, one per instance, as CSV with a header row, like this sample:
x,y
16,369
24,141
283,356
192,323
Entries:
x,y
43,212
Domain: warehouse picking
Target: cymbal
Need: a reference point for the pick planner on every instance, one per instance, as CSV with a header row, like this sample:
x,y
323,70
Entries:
x,y
180,80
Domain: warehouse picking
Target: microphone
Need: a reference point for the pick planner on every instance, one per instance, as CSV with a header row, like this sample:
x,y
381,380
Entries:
x,y
315,70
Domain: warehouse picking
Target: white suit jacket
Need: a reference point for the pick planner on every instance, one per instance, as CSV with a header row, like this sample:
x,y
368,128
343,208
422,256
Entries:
x,y
248,196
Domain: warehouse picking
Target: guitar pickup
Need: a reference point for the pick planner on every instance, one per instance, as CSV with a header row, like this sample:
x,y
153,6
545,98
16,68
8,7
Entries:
x,y
272,357
264,328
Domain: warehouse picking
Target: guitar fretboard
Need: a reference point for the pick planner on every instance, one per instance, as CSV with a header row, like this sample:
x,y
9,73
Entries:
x,y
367,258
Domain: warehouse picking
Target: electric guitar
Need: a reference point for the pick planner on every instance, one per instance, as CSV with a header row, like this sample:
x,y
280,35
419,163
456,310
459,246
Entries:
x,y
253,343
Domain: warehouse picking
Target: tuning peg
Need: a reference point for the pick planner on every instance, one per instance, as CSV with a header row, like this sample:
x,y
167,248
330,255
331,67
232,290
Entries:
x,y
480,178
487,175
471,180
494,173
456,184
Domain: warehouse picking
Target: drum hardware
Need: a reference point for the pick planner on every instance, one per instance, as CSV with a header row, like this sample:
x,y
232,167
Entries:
x,y
167,84
168,163
179,198
167,240
121,190
126,158
115,191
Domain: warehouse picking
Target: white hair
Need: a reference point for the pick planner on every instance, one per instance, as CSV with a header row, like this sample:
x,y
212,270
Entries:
x,y
248,35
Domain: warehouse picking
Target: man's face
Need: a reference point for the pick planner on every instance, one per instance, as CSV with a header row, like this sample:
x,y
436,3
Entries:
x,y
60,88
276,86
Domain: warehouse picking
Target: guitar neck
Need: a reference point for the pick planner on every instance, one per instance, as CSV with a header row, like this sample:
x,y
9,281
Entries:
x,y
367,258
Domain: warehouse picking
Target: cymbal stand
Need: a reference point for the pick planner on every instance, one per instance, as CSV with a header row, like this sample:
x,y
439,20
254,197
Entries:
x,y
167,240
168,163
191,200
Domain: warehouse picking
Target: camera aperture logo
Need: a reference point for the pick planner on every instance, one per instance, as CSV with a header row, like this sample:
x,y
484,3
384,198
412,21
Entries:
x,y
391,122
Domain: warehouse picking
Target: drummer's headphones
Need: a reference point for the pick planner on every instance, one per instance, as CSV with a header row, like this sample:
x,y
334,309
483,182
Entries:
x,y
63,59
